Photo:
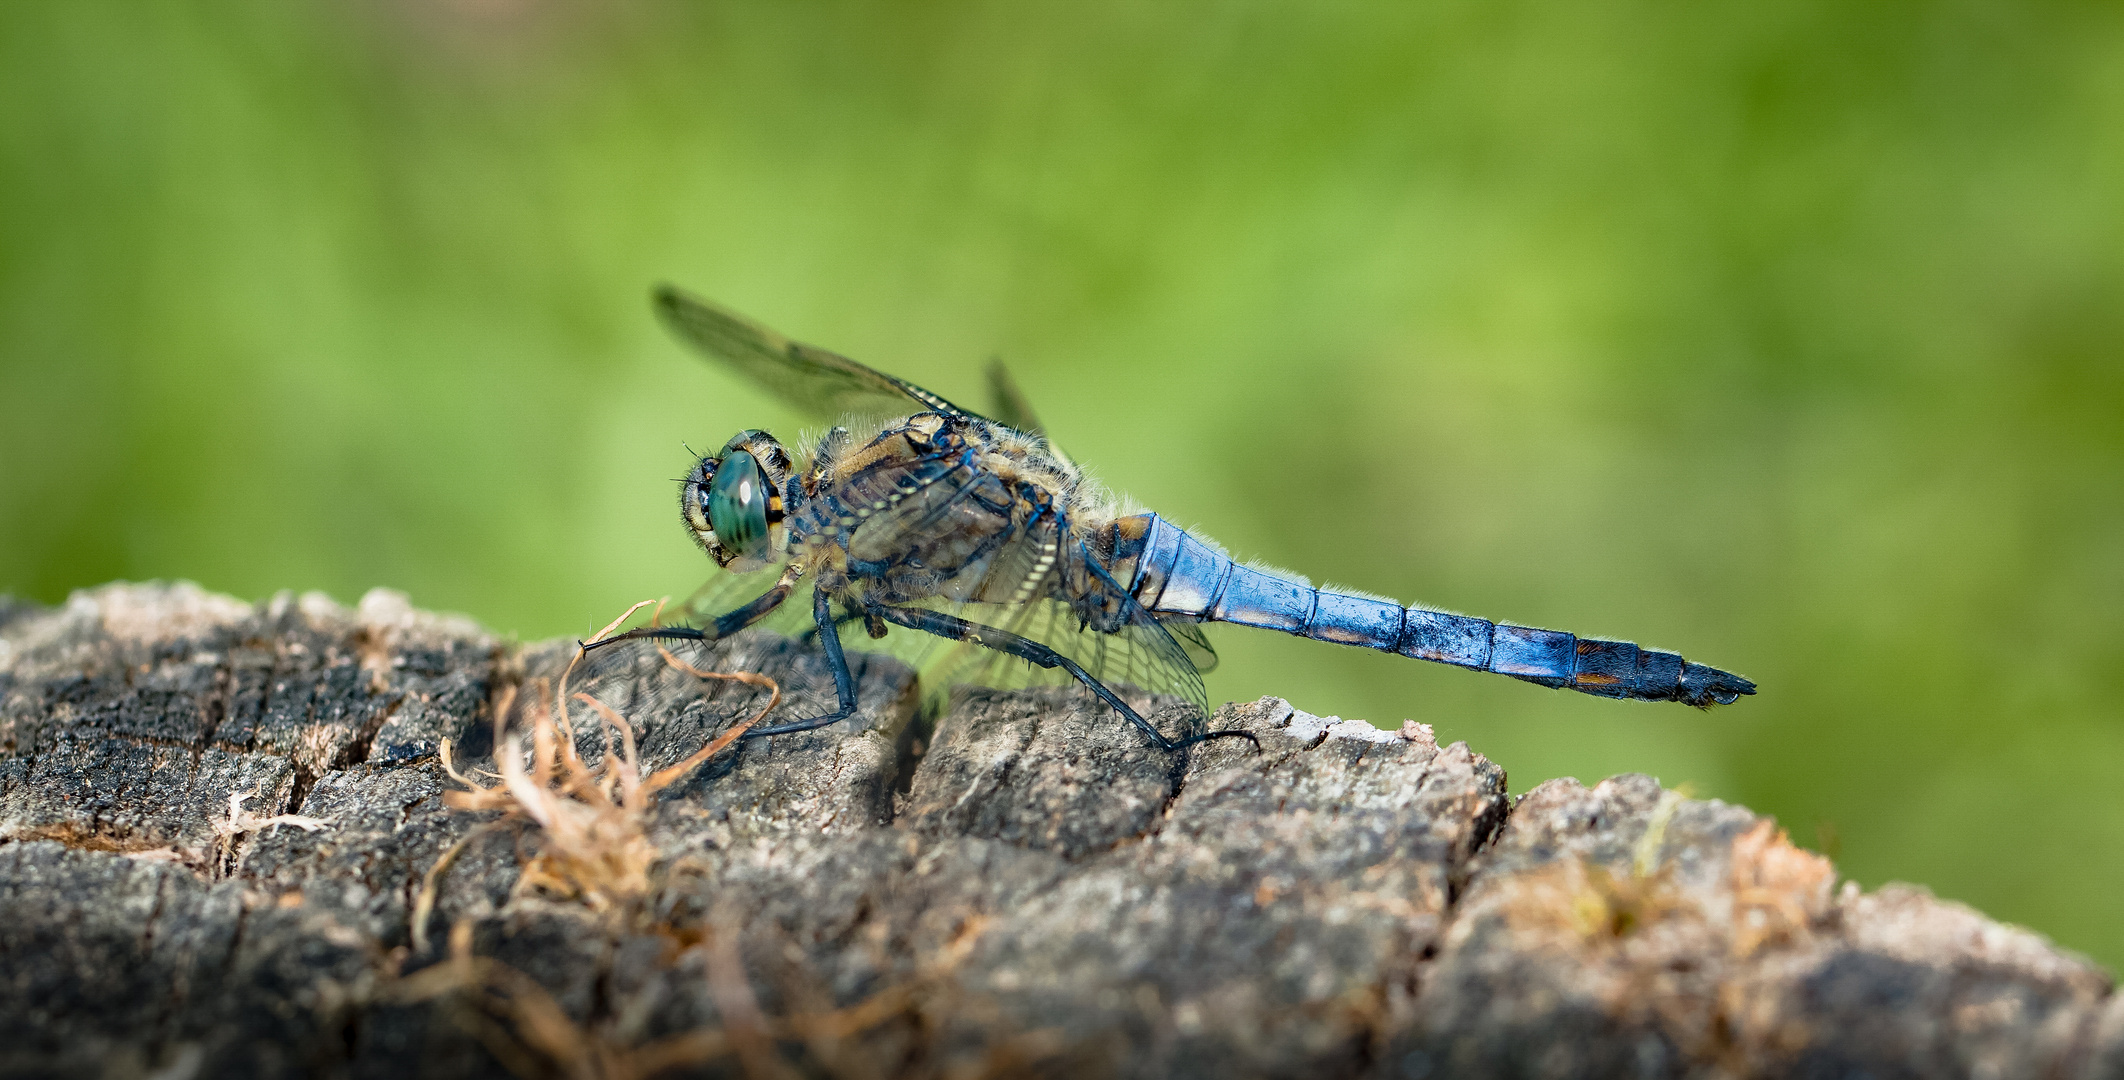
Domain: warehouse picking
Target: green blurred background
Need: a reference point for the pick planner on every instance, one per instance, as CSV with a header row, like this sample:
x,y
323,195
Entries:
x,y
1783,332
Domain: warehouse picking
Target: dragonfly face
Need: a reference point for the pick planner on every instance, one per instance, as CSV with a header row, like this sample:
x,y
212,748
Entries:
x,y
736,502
975,529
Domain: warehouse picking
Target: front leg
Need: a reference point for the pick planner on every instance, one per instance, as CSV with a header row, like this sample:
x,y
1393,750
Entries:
x,y
843,682
725,625
1003,641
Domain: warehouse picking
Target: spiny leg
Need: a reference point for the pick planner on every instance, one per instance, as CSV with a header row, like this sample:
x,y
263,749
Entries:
x,y
843,682
725,625
760,608
847,618
1003,641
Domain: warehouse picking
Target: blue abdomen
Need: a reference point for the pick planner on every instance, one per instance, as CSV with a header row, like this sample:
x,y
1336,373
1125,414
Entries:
x,y
1172,573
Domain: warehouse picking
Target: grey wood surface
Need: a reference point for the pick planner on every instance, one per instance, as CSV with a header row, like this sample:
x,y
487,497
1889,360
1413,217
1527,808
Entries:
x,y
1017,887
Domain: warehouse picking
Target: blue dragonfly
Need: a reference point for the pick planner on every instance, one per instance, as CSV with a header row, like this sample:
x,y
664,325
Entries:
x,y
915,513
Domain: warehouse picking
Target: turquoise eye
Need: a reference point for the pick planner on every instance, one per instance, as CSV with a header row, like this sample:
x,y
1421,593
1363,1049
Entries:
x,y
737,506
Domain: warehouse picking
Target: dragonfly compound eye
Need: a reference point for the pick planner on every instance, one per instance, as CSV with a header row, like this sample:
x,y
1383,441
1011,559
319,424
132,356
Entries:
x,y
693,499
737,506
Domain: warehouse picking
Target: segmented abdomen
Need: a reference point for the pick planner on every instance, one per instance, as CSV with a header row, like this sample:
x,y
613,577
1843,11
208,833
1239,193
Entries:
x,y
1172,573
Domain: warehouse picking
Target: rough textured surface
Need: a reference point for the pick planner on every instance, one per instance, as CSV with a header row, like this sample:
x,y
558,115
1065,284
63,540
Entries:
x,y
1024,888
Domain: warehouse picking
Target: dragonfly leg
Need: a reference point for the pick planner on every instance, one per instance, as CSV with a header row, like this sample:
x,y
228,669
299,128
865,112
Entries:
x,y
847,618
725,625
843,682
957,629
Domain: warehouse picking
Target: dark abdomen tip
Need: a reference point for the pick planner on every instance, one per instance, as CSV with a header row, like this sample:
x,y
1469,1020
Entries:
x,y
1707,686
1619,669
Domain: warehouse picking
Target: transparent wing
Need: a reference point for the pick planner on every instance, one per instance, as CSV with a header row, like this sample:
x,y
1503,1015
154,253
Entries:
x,y
1010,407
1188,632
827,384
724,592
1138,657
633,678
638,666
658,699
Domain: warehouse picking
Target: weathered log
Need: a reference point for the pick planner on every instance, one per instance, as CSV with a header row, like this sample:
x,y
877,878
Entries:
x,y
1024,888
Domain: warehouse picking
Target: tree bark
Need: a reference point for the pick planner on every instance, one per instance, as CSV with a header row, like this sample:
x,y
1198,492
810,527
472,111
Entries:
x,y
1020,886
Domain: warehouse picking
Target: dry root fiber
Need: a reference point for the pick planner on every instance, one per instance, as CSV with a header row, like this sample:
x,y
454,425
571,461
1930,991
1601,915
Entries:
x,y
525,1028
593,845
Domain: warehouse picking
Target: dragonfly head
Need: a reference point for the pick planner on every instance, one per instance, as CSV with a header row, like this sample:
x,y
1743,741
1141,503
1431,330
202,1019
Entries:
x,y
732,501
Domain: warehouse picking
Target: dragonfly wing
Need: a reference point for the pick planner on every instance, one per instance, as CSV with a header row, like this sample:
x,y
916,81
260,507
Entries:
x,y
725,592
1141,662
1009,405
1138,658
813,379
634,678
1188,632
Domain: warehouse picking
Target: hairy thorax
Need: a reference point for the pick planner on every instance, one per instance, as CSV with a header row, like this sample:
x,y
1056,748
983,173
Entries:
x,y
939,507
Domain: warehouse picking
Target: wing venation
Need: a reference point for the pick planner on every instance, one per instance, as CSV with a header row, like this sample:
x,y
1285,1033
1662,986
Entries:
x,y
825,383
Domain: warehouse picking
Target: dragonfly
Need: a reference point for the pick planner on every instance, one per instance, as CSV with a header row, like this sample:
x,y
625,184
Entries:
x,y
913,513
